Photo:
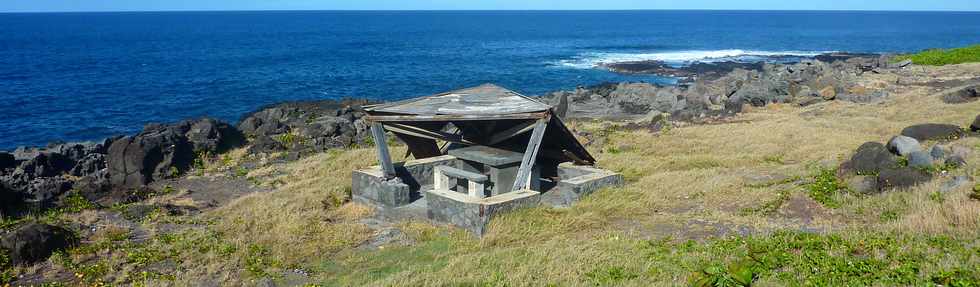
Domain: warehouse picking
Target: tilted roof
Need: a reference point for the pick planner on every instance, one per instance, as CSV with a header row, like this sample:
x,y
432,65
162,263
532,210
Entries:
x,y
486,99
483,115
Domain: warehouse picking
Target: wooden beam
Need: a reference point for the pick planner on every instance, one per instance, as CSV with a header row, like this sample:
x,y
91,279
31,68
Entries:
x,y
523,180
423,133
381,143
511,132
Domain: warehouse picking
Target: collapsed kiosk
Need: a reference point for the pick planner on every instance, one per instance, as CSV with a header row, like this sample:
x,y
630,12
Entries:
x,y
477,152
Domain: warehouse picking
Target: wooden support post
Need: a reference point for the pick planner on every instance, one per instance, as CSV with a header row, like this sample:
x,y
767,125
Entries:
x,y
523,180
378,132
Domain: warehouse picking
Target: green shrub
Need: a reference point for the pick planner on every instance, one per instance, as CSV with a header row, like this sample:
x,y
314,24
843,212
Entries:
x,y
741,273
939,57
75,202
6,274
955,278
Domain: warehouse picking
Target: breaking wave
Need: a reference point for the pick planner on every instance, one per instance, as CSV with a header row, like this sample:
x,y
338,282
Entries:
x,y
595,59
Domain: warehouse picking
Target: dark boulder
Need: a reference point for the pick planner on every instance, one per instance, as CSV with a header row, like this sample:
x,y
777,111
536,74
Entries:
x,y
44,190
73,151
34,242
265,144
305,126
213,136
862,184
91,164
872,157
8,161
162,151
901,177
962,95
46,164
157,152
975,126
9,200
923,132
94,188
38,179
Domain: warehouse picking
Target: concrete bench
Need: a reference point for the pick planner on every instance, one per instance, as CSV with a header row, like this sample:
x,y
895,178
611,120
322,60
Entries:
x,y
476,181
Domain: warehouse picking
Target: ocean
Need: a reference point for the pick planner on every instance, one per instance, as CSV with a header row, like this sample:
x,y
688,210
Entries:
x,y
86,76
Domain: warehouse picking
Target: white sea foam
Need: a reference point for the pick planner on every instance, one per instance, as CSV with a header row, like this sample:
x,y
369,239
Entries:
x,y
592,60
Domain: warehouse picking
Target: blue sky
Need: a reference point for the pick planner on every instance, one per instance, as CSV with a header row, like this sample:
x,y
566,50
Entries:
x,y
154,5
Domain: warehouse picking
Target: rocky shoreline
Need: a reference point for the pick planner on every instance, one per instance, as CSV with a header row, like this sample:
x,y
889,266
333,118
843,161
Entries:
x,y
722,89
119,169
115,169
122,176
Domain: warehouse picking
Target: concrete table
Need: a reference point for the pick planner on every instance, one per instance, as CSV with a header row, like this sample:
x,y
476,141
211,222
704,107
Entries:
x,y
499,165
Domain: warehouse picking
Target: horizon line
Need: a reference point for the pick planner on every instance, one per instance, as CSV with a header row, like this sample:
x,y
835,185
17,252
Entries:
x,y
466,10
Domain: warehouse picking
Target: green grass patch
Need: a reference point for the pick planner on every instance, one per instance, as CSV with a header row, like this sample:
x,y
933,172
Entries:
x,y
825,188
430,255
939,57
609,275
865,259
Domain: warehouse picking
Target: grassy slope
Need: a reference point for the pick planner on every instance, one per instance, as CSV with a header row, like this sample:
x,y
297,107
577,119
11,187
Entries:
x,y
939,57
687,183
687,179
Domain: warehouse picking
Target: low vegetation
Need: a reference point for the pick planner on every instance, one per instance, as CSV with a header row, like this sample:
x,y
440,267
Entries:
x,y
939,57
705,205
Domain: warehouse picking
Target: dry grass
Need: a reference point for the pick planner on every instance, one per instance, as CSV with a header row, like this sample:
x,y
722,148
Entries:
x,y
692,182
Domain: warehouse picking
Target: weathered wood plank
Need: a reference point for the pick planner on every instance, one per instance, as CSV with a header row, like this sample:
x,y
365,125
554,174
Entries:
x,y
422,133
523,180
430,118
511,132
378,132
485,99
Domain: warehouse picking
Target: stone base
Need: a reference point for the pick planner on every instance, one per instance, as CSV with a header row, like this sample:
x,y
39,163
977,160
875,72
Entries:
x,y
372,188
579,181
369,186
400,198
474,214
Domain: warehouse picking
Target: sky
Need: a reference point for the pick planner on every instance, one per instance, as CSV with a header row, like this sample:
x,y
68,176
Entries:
x,y
170,5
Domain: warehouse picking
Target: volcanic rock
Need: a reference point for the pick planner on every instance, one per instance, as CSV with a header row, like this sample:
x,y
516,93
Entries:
x,y
34,242
924,132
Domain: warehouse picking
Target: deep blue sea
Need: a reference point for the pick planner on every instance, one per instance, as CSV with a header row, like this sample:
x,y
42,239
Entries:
x,y
85,76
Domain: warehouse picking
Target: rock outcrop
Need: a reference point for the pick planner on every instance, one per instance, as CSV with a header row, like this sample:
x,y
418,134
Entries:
x,y
163,151
33,242
964,94
877,168
304,127
808,82
871,158
924,132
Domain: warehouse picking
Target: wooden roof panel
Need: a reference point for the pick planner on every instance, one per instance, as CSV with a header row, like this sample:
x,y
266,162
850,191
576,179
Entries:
x,y
487,99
